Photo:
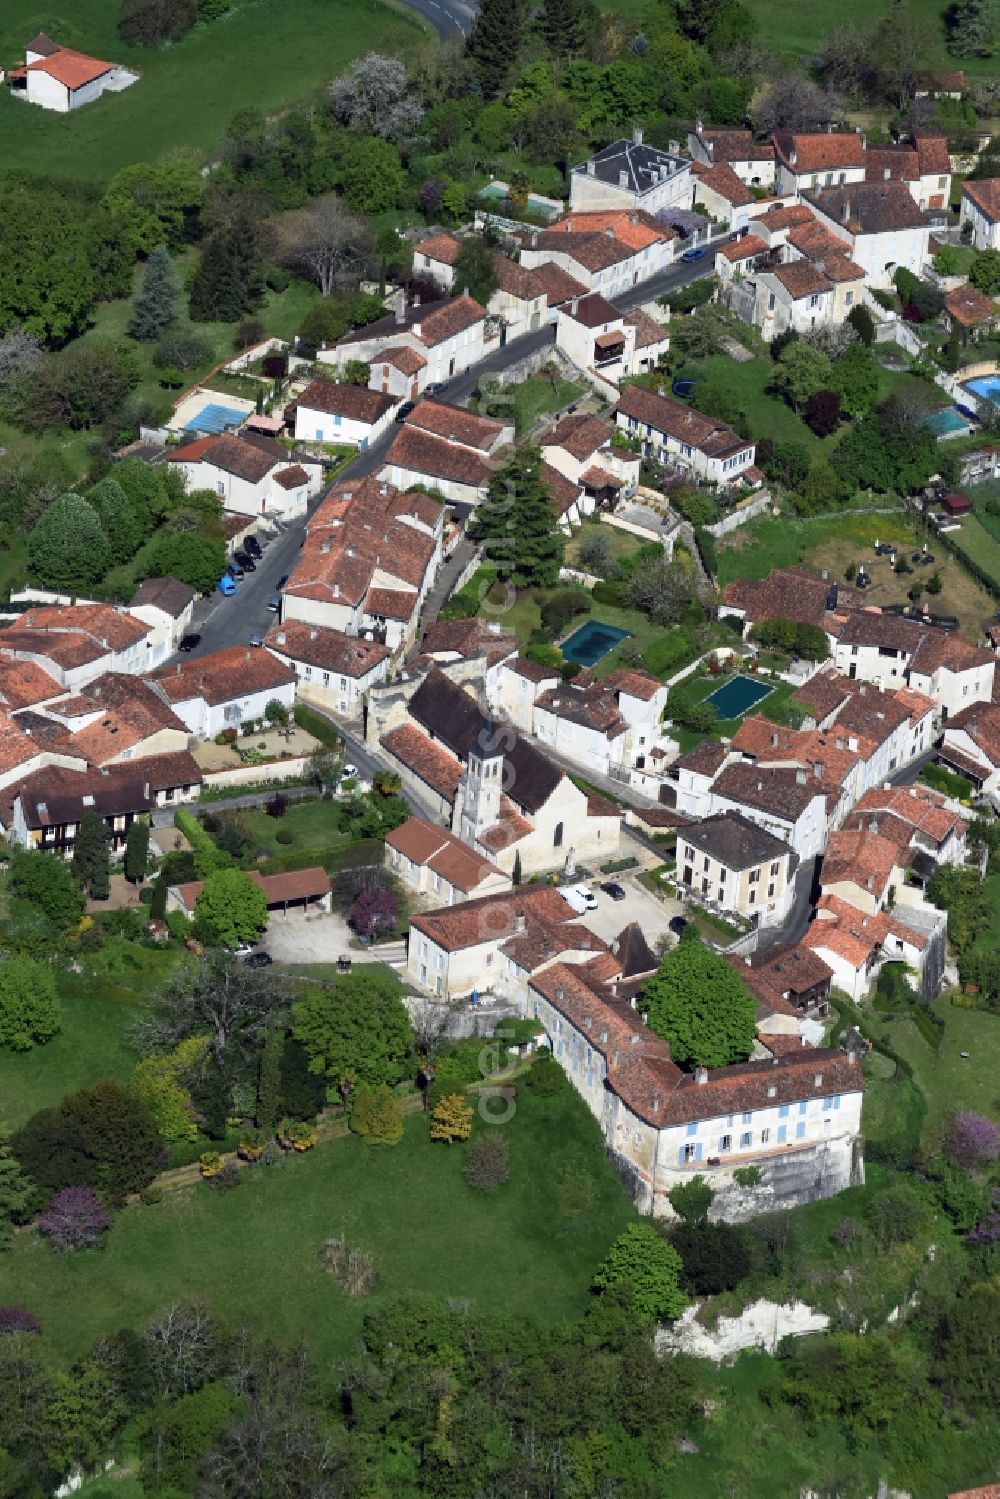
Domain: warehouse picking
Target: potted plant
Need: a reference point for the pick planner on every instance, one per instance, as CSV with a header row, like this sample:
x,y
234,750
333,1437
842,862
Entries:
x,y
302,1136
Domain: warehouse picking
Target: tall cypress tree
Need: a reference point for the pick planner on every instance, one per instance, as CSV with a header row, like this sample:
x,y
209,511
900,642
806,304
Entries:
x,y
91,856
566,24
229,282
517,523
973,28
495,43
154,306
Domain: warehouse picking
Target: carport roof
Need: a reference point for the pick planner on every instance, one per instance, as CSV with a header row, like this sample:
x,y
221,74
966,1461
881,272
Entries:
x,y
296,884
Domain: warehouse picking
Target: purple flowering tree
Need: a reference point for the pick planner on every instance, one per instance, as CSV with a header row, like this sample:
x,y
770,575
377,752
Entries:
x,y
431,194
374,911
974,1141
15,1319
74,1219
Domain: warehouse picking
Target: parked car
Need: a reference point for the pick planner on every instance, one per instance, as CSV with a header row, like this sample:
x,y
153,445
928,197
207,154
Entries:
x,y
281,581
274,603
348,772
227,586
252,546
258,960
403,411
245,561
612,888
696,252
580,898
189,642
257,638
234,569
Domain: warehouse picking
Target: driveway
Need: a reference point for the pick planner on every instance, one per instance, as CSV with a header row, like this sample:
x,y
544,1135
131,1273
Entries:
x,y
639,905
322,939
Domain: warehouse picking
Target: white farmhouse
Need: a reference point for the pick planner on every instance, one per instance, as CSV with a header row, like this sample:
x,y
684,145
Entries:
x,y
251,474
62,79
676,434
333,670
981,210
327,411
224,689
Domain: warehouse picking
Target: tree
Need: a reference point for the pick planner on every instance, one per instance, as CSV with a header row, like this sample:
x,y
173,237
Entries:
x,y
516,874
196,560
229,909
75,1219
822,413
164,1081
44,880
160,202
230,1004
30,1012
17,1194
137,851
384,1119
802,370
699,1005
102,1137
357,372
269,1078
374,911
229,281
476,269
715,1256
154,306
974,1141
696,336
151,23
355,1028
902,42
373,98
325,241
92,856
792,102
487,1162
863,324
372,175
516,523
184,1346
495,42
965,1342
567,26
123,527
692,1199
861,1383
856,380
972,28
451,1119
660,589
20,353
984,272
648,1268
79,388
181,347
181,1435
47,280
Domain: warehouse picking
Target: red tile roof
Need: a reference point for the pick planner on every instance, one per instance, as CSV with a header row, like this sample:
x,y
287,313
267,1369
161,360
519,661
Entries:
x,y
494,918
559,286
970,307
580,435
223,675
72,69
444,854
296,884
723,180
818,152
985,195
432,458
455,424
441,247
429,761
354,401
330,650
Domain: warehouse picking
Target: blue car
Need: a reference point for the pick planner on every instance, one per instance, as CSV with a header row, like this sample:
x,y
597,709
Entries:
x,y
697,252
227,586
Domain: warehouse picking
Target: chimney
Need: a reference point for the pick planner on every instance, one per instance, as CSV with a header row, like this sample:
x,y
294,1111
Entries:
x,y
793,156
701,1075
760,785
845,212
416,300
886,173
312,635
774,738
280,638
818,768
415,328
401,311
851,1055
573,306
698,127
145,791
560,992
656,1103
637,136
465,291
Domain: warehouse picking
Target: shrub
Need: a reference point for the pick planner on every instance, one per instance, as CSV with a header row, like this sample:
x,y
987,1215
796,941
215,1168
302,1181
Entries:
x,y
354,1271
486,1165
715,1256
546,1076
974,1140
17,1319
451,1119
75,1219
612,594
284,836
692,1199
562,606
277,806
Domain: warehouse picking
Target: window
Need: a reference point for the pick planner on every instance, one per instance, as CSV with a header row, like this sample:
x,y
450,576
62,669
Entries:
x,y
754,876
848,298
782,1133
752,898
803,1106
746,1141
765,1136
746,1118
726,1143
690,1153
692,1129
800,1132
774,867
557,836
827,1105
770,891
783,1111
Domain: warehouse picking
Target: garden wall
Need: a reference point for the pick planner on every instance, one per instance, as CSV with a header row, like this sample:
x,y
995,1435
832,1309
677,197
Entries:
x,y
759,505
254,775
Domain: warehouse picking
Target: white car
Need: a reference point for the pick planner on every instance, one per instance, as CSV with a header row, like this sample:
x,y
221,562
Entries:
x,y
348,772
580,898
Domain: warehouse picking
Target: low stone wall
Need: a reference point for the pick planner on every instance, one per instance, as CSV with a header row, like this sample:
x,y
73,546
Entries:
x,y
759,505
254,775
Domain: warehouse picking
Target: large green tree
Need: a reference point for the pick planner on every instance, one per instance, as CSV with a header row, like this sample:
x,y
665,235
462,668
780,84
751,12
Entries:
x,y
973,28
648,1268
517,523
356,1029
229,281
195,559
698,1004
29,1005
495,42
17,1193
92,857
372,175
47,280
476,270
154,306
230,909
122,525
160,201
44,880
137,851
567,26
102,1137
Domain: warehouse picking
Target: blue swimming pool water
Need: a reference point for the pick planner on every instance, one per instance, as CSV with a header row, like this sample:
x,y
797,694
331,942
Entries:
x,y
592,641
987,386
215,418
738,697
946,421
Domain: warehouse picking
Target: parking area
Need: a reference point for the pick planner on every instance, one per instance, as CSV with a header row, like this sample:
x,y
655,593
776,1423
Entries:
x,y
639,905
318,939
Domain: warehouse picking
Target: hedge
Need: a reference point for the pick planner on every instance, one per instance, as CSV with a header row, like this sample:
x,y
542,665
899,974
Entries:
x,y
207,854
318,726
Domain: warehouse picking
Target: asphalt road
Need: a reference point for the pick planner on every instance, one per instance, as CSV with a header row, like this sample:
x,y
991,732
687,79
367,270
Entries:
x,y
448,17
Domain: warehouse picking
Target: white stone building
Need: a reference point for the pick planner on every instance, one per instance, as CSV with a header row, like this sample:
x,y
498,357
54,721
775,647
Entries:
x,y
630,174
729,863
327,411
980,209
333,670
251,474
676,434
225,689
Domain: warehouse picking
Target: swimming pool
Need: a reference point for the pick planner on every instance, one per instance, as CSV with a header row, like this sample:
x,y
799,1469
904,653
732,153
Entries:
x,y
987,386
592,641
738,696
948,422
214,418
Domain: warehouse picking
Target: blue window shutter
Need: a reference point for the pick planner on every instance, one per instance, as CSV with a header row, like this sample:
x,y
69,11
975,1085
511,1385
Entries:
x,y
721,1143
692,1129
803,1106
836,1102
697,1151
680,1155
319,434
783,1111
800,1131
782,1133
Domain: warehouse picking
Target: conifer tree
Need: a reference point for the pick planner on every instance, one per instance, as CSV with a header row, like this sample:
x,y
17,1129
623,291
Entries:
x,y
362,1106
229,282
973,28
91,856
495,43
451,1119
137,851
385,1117
154,306
565,25
517,523
269,1079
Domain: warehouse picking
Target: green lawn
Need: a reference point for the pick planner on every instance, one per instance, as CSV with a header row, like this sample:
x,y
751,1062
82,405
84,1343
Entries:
x,y
979,543
98,1008
776,707
538,395
947,1081
263,54
314,824
746,385
253,1253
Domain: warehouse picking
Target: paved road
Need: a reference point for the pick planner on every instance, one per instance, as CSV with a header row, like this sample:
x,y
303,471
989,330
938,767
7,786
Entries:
x,y
448,17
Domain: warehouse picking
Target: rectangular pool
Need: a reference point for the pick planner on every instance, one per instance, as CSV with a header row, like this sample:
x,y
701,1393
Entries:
x,y
738,696
948,422
987,386
592,641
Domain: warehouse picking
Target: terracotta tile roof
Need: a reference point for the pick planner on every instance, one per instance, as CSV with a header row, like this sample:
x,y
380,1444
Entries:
x,y
593,311
801,278
580,435
441,247
632,227
932,148
43,45
468,638
774,790
915,807
858,856
517,281
167,594
791,593
822,695
787,217
735,841
744,248
404,359
444,854
16,747
970,307
938,650
600,806
735,145
562,491
989,1490
108,627
547,942
510,828
531,670
559,286
354,401
456,424
981,722
818,152
291,477
494,918
330,650
595,252
57,794
704,759
72,69
435,458
892,164
723,180
827,756
679,421
130,710
986,196
363,528
391,603
223,675
431,762
24,683
853,935
590,707
635,682
296,884
791,970
250,457
869,207
648,331
448,319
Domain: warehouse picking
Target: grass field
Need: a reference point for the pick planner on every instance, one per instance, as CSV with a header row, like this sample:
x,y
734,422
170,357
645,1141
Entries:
x,y
834,541
531,399
253,1253
263,54
746,385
